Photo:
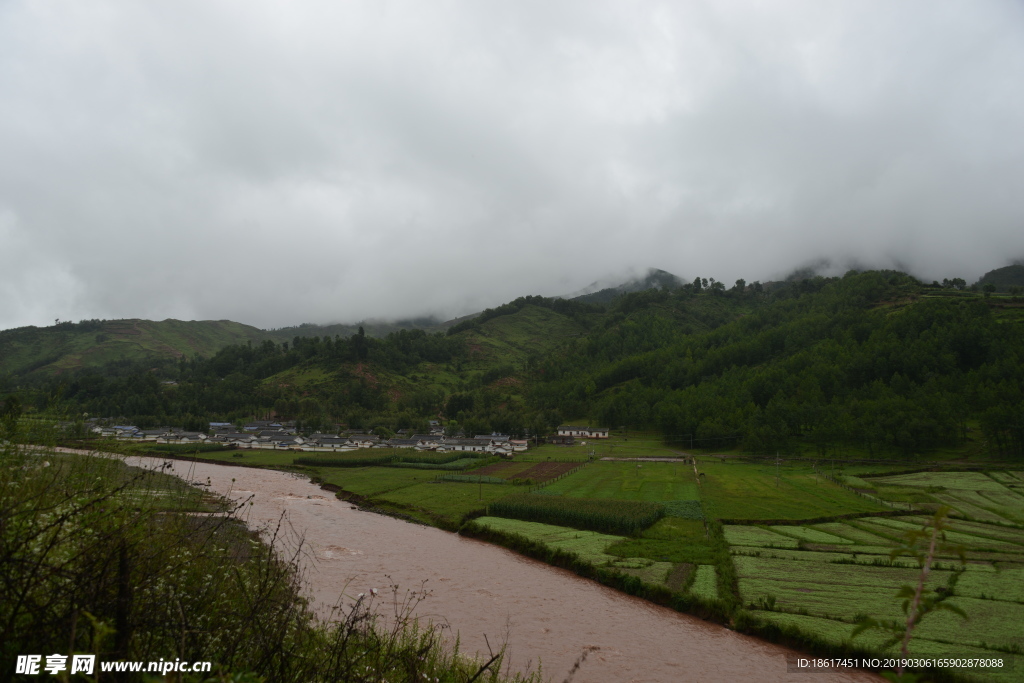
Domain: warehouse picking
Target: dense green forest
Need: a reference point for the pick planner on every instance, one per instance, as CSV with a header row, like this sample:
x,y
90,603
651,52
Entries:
x,y
869,363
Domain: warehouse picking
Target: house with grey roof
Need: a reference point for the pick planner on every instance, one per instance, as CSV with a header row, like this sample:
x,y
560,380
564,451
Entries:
x,y
583,432
473,445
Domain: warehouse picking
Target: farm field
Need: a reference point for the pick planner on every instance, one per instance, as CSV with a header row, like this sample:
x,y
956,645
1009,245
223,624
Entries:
x,y
451,500
671,539
789,570
748,491
504,470
555,452
372,481
988,497
822,586
589,545
646,481
608,516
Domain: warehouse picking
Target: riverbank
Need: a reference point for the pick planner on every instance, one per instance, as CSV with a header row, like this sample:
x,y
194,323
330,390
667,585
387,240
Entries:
x,y
479,590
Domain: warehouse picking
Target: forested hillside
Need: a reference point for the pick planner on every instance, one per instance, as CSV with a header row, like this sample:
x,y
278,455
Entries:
x,y
870,363
67,346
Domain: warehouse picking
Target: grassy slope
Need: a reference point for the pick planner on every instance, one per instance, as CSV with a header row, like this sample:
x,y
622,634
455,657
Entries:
x,y
51,350
510,339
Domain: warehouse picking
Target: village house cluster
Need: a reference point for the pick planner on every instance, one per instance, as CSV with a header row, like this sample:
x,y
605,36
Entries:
x,y
271,435
283,436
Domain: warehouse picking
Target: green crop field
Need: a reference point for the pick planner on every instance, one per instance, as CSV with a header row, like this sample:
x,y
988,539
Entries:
x,y
971,481
548,451
645,481
450,500
591,546
1014,535
608,516
969,541
822,591
818,577
1005,583
810,534
827,589
851,533
705,582
371,481
757,537
745,491
670,540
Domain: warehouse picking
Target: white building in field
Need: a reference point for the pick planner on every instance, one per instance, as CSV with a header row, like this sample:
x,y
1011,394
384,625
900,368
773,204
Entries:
x,y
584,432
472,445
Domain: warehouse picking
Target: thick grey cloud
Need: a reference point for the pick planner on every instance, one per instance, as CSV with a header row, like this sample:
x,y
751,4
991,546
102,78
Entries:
x,y
276,163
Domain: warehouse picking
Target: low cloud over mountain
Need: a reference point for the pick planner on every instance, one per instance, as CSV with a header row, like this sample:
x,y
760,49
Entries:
x,y
323,162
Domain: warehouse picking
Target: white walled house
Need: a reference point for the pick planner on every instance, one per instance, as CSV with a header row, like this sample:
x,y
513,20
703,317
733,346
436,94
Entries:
x,y
584,432
472,445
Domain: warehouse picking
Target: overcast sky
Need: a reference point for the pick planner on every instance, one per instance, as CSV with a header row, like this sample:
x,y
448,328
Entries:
x,y
283,162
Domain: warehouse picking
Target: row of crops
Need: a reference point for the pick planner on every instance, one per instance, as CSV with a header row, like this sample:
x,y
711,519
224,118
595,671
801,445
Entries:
x,y
607,516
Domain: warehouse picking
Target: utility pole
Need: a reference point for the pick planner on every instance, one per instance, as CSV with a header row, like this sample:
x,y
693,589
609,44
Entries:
x,y
776,469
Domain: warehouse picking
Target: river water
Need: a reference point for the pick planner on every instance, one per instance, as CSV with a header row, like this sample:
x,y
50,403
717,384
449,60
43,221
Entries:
x,y
545,614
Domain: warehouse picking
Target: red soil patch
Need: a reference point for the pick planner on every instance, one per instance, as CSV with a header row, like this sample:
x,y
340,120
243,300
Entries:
x,y
546,471
365,374
494,470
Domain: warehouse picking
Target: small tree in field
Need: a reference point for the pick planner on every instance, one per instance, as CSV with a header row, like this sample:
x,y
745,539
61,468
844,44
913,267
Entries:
x,y
918,601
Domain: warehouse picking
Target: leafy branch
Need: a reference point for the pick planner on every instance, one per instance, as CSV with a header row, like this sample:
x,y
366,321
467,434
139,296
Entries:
x,y
921,544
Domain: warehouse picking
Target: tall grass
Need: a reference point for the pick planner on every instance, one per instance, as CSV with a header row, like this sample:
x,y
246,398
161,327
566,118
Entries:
x,y
619,517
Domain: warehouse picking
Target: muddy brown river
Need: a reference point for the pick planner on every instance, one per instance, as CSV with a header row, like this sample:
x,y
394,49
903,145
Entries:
x,y
547,615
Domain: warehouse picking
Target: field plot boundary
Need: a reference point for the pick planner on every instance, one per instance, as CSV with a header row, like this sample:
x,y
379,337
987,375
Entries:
x,y
818,520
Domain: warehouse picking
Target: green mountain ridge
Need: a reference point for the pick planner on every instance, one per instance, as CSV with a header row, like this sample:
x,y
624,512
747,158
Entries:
x,y
1004,278
872,362
68,346
40,351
